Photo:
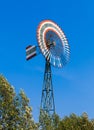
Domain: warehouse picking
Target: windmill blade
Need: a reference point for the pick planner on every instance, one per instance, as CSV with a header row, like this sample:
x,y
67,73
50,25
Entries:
x,y
53,43
30,52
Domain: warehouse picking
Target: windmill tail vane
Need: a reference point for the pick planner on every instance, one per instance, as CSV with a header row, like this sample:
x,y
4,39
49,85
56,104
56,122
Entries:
x,y
30,52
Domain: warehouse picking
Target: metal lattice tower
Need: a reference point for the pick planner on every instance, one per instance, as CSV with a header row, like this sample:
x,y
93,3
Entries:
x,y
47,99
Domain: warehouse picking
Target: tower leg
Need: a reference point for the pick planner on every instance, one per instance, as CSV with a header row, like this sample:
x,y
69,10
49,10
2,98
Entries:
x,y
47,99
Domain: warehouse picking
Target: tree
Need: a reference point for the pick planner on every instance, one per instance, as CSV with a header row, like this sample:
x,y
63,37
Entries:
x,y
47,122
15,112
74,122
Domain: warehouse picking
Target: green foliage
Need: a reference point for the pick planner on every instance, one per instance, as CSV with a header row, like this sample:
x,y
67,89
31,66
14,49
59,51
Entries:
x,y
47,122
15,112
73,122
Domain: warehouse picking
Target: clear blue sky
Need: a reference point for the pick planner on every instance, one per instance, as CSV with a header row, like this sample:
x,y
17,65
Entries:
x,y
73,84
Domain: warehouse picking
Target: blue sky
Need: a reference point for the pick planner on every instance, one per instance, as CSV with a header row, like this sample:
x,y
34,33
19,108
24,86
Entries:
x,y
73,84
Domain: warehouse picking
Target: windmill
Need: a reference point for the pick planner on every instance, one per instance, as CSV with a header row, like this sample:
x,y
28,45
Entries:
x,y
54,47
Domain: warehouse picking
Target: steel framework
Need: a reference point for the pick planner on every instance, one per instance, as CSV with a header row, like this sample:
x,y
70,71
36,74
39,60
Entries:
x,y
47,99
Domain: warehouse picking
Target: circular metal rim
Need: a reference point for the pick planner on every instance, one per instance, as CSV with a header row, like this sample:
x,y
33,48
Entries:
x,y
47,54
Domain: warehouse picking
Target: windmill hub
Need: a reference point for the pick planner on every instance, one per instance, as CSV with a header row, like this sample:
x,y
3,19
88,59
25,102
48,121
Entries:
x,y
50,44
